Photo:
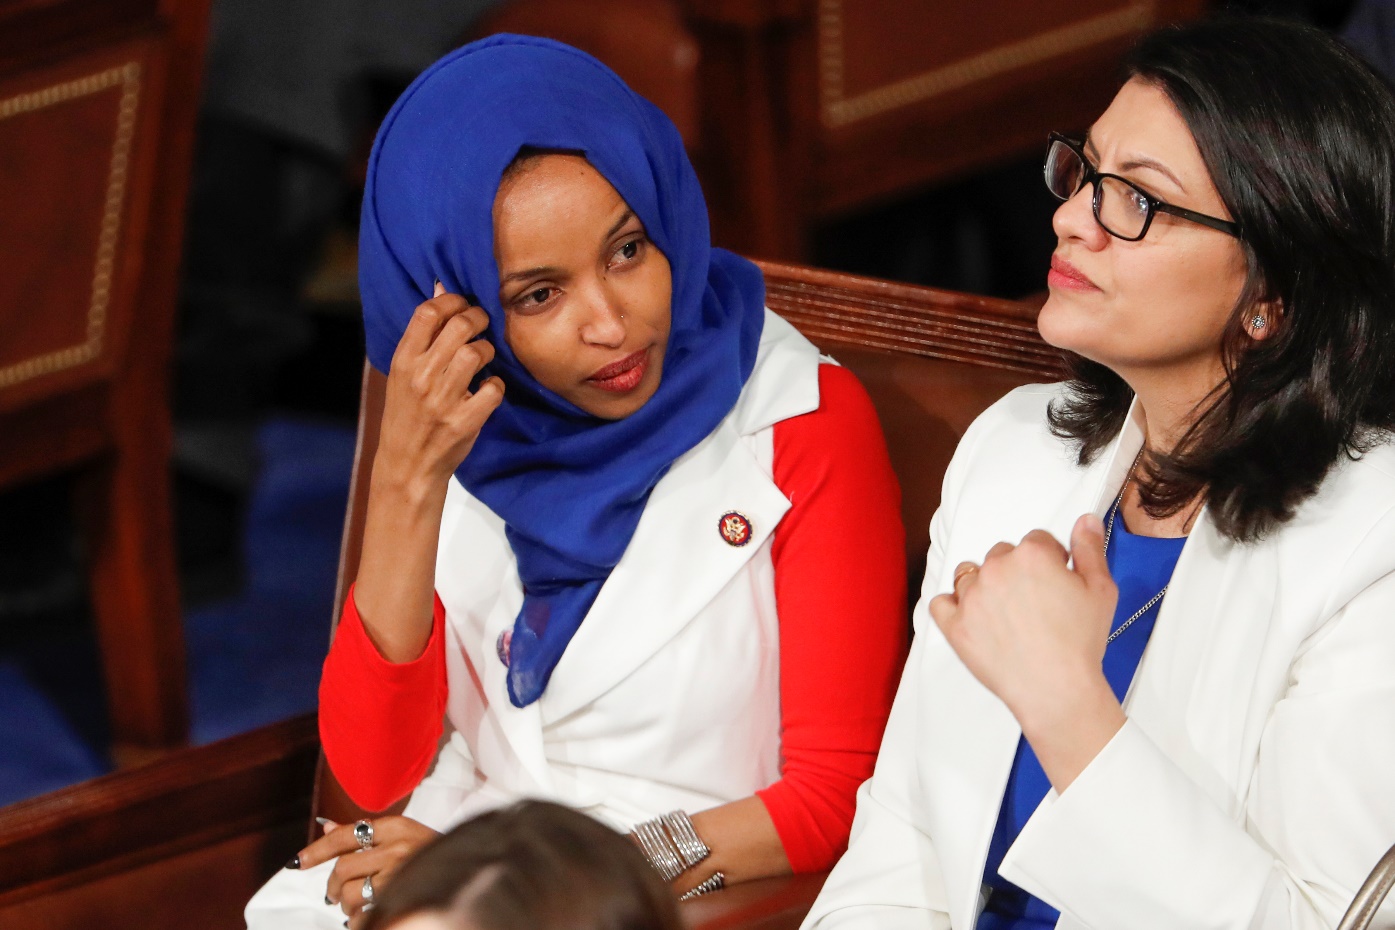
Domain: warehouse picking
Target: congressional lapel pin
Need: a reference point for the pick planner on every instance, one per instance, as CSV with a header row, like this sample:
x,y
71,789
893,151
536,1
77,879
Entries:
x,y
735,528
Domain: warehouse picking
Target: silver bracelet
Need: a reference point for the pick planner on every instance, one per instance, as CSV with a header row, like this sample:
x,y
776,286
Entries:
x,y
690,845
670,844
713,883
659,849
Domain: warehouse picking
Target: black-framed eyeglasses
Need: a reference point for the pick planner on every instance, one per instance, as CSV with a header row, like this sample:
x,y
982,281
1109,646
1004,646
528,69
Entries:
x,y
1121,207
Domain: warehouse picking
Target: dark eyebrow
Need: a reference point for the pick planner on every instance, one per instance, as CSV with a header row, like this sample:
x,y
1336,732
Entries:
x,y
1141,161
546,270
539,272
1145,162
624,218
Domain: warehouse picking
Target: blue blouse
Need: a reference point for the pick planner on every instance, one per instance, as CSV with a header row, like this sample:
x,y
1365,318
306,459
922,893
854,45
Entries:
x,y
1141,566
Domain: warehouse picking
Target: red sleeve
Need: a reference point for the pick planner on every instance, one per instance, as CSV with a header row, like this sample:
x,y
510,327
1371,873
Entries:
x,y
381,721
840,588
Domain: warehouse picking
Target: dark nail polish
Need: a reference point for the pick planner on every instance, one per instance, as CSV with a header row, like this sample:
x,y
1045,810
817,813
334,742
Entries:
x,y
327,900
472,300
294,863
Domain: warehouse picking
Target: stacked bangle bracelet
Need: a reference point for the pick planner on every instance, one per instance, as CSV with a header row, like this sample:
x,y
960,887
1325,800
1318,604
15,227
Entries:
x,y
670,844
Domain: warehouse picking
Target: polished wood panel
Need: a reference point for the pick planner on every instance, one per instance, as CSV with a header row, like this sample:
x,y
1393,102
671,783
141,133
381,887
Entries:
x,y
835,309
931,360
97,108
809,109
661,55
77,187
181,842
204,888
35,30
834,105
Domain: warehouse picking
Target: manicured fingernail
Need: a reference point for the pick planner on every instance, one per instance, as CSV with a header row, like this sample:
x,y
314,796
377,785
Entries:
x,y
472,300
438,289
327,900
323,821
294,863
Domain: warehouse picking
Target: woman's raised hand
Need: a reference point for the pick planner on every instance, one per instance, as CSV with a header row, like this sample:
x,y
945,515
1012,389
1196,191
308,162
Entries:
x,y
1032,629
431,420
430,417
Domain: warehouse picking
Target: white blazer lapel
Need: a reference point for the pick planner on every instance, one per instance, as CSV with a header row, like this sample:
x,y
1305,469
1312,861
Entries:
x,y
971,749
675,564
1197,656
983,732
678,560
1208,652
477,580
509,737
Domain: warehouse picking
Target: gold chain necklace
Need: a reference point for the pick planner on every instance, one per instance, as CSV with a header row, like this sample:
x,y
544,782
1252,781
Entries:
x,y
1108,532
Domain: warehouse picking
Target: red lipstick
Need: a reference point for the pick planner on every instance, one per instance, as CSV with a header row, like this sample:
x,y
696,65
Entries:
x,y
623,375
1068,277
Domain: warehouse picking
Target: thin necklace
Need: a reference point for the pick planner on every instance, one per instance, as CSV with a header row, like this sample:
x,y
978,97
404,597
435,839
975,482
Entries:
x,y
1108,532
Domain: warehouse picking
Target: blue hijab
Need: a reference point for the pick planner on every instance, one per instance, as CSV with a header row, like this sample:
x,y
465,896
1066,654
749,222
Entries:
x,y
570,487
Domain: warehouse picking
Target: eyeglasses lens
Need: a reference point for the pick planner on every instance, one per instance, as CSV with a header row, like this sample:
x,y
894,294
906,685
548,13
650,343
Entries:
x,y
1065,171
1122,210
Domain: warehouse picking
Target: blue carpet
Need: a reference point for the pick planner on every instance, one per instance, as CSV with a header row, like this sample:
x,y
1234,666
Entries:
x,y
43,751
254,658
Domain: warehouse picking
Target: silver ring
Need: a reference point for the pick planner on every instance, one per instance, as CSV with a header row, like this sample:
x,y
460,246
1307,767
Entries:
x,y
363,833
367,888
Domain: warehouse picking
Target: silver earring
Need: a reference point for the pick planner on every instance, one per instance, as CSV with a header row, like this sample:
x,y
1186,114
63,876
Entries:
x,y
1258,322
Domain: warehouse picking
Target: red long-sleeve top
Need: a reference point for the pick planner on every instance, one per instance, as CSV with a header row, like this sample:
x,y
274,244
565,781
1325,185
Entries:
x,y
840,591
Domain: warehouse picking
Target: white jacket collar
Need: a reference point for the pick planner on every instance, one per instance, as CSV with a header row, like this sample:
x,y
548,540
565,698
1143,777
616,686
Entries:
x,y
676,561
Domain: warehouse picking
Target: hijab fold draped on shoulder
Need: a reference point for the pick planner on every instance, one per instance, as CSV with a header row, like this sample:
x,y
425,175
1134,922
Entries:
x,y
570,487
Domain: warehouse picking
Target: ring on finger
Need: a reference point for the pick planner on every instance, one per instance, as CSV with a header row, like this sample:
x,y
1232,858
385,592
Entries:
x,y
367,889
363,833
963,572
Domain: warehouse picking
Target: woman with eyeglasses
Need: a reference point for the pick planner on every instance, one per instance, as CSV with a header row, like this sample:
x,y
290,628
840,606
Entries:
x,y
1153,680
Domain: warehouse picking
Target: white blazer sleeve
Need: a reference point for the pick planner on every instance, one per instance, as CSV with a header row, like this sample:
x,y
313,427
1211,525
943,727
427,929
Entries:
x,y
889,861
890,878
1134,843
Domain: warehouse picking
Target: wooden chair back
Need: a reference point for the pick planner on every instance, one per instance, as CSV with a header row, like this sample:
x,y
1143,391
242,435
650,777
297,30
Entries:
x,y
97,110
931,360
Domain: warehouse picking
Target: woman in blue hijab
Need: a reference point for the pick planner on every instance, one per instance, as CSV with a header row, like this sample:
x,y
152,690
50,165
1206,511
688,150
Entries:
x,y
625,531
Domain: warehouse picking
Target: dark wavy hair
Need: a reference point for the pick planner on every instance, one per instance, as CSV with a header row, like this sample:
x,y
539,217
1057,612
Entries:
x,y
536,864
1298,135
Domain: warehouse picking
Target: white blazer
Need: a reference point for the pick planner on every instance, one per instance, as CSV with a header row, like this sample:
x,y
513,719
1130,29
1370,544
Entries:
x,y
668,695
1253,785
